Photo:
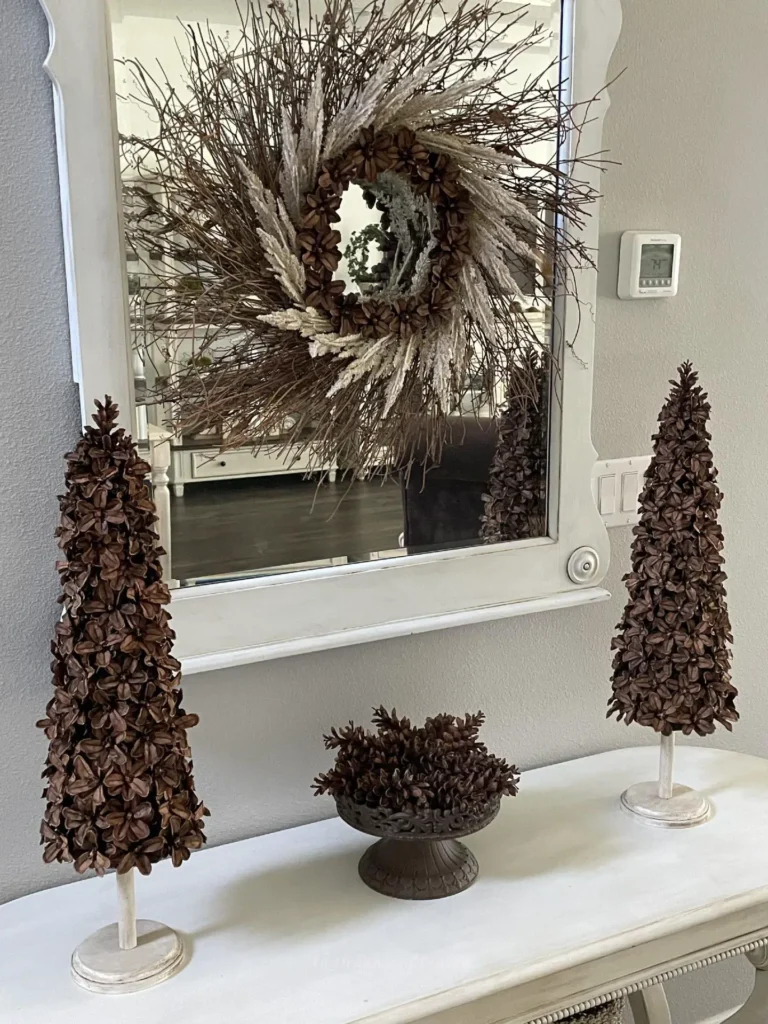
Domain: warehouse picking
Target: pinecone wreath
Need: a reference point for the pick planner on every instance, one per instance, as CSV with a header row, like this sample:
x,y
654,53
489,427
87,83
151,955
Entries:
x,y
118,781
671,670
515,506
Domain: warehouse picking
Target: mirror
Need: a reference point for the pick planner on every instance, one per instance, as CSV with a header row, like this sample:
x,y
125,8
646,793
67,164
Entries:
x,y
263,487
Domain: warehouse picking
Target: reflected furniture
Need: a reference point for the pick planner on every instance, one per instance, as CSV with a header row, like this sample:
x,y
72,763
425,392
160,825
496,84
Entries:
x,y
196,462
443,504
575,903
155,447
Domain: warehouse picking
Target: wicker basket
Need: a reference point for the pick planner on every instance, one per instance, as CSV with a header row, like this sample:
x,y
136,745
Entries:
x,y
608,1013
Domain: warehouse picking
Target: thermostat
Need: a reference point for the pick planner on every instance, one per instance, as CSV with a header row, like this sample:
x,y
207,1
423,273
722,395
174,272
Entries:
x,y
649,265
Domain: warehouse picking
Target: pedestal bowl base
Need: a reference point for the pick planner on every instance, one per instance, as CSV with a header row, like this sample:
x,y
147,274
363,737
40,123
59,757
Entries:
x,y
418,869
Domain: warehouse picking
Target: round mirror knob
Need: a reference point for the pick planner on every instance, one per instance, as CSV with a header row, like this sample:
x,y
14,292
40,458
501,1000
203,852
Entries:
x,y
583,565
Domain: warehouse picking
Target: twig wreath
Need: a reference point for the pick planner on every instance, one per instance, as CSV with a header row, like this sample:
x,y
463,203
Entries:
x,y
237,193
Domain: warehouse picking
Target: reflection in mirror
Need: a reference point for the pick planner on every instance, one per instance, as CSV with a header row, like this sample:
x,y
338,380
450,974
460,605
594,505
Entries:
x,y
389,234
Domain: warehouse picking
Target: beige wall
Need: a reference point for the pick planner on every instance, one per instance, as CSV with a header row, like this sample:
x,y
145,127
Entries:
x,y
688,125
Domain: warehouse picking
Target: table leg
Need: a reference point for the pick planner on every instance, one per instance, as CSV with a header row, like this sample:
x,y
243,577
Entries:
x,y
649,1006
755,1010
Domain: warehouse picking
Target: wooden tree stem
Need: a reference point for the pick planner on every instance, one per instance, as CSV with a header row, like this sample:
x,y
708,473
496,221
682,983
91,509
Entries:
x,y
666,766
126,911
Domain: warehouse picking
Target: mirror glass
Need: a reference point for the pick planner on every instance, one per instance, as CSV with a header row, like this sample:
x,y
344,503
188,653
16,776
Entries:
x,y
251,495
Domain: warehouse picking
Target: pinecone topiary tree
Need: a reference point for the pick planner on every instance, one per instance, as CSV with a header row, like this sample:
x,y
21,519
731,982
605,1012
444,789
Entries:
x,y
671,669
440,766
119,786
515,505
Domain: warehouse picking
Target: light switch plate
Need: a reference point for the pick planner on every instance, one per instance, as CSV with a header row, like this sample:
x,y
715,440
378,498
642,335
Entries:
x,y
616,487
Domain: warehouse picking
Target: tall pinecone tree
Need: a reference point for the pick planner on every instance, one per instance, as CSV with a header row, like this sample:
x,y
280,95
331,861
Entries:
x,y
515,505
671,670
119,780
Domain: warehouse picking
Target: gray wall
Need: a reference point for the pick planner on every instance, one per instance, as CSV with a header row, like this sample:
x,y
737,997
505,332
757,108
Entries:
x,y
687,123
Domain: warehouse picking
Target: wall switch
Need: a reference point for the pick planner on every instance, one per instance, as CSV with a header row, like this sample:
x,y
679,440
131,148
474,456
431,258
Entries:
x,y
616,486
606,495
630,489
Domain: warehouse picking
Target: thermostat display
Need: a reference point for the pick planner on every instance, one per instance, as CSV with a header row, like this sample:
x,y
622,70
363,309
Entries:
x,y
649,265
656,261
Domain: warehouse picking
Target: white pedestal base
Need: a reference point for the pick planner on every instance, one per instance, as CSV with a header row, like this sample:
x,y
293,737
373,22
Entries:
x,y
99,964
684,809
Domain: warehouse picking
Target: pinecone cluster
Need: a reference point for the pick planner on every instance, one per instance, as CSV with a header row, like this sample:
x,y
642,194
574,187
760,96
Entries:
x,y
119,784
430,174
515,506
438,766
671,669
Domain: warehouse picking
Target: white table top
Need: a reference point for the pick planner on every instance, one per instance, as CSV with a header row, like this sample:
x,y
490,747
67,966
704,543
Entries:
x,y
282,931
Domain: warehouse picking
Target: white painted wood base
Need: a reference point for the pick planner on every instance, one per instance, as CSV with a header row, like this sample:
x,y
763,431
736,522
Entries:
x,y
664,804
683,809
100,965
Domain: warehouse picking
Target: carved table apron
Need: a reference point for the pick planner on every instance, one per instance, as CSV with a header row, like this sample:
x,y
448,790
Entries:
x,y
575,903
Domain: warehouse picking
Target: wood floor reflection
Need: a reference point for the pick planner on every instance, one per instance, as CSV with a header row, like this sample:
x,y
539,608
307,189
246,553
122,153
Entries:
x,y
238,526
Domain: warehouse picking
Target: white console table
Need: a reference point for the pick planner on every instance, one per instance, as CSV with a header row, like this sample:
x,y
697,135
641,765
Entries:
x,y
575,901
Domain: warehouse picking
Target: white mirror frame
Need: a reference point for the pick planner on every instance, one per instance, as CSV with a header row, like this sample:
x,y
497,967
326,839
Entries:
x,y
235,623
